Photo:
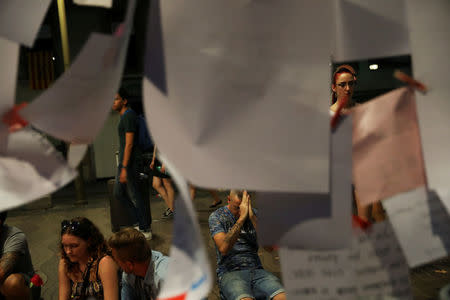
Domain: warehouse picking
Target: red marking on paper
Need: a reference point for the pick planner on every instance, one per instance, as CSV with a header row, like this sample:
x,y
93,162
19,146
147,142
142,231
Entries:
x,y
178,297
358,222
13,119
410,81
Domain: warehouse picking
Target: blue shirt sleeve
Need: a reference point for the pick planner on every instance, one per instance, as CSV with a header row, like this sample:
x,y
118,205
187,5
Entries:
x,y
215,226
161,264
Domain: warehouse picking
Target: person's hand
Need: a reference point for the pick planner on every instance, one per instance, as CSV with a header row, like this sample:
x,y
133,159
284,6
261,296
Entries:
x,y
152,164
250,210
243,208
163,169
123,175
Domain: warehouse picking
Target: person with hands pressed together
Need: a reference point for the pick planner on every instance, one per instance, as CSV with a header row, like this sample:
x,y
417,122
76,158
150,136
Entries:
x,y
130,159
239,269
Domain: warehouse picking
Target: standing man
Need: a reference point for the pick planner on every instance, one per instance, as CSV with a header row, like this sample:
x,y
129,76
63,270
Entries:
x,y
239,270
144,270
16,269
130,160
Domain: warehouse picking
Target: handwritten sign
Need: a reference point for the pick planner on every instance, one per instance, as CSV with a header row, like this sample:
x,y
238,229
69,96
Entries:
x,y
374,266
420,214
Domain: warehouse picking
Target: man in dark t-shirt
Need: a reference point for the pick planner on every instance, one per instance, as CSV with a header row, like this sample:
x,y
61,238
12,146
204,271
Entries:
x,y
16,268
130,159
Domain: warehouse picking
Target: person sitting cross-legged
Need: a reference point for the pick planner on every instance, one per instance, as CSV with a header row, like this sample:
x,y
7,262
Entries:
x,y
239,269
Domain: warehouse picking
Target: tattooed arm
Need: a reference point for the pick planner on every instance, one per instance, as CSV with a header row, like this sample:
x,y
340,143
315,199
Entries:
x,y
225,241
7,264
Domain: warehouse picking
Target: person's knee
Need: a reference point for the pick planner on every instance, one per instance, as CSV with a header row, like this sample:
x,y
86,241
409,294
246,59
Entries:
x,y
156,184
280,296
14,284
168,185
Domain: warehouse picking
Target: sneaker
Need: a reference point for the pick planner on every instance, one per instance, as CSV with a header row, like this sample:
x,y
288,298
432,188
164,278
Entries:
x,y
146,233
168,214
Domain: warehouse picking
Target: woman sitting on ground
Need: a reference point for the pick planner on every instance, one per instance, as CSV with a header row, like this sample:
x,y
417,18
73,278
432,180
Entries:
x,y
86,268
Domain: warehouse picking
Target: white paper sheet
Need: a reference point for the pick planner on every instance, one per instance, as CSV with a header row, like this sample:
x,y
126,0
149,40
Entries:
x,y
75,107
76,154
20,19
429,28
245,102
189,275
370,29
8,74
30,168
9,59
373,268
422,225
104,3
387,152
294,220
444,195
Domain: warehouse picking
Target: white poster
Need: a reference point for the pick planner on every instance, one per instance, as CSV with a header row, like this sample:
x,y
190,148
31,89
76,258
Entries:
x,y
422,225
429,23
373,268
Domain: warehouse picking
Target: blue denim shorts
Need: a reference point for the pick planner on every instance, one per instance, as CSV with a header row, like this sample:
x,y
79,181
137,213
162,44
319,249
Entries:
x,y
255,283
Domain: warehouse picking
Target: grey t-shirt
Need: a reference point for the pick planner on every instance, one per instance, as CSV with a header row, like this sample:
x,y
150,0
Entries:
x,y
12,239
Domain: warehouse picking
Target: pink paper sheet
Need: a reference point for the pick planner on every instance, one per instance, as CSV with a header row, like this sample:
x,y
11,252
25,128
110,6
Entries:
x,y
387,151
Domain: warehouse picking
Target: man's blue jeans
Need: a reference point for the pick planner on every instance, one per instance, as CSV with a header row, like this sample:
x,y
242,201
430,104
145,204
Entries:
x,y
124,192
255,283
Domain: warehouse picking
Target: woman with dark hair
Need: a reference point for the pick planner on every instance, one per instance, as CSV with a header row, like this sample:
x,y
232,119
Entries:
x,y
86,268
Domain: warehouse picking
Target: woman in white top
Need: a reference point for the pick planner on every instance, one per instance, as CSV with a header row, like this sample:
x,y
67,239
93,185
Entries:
x,y
342,86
